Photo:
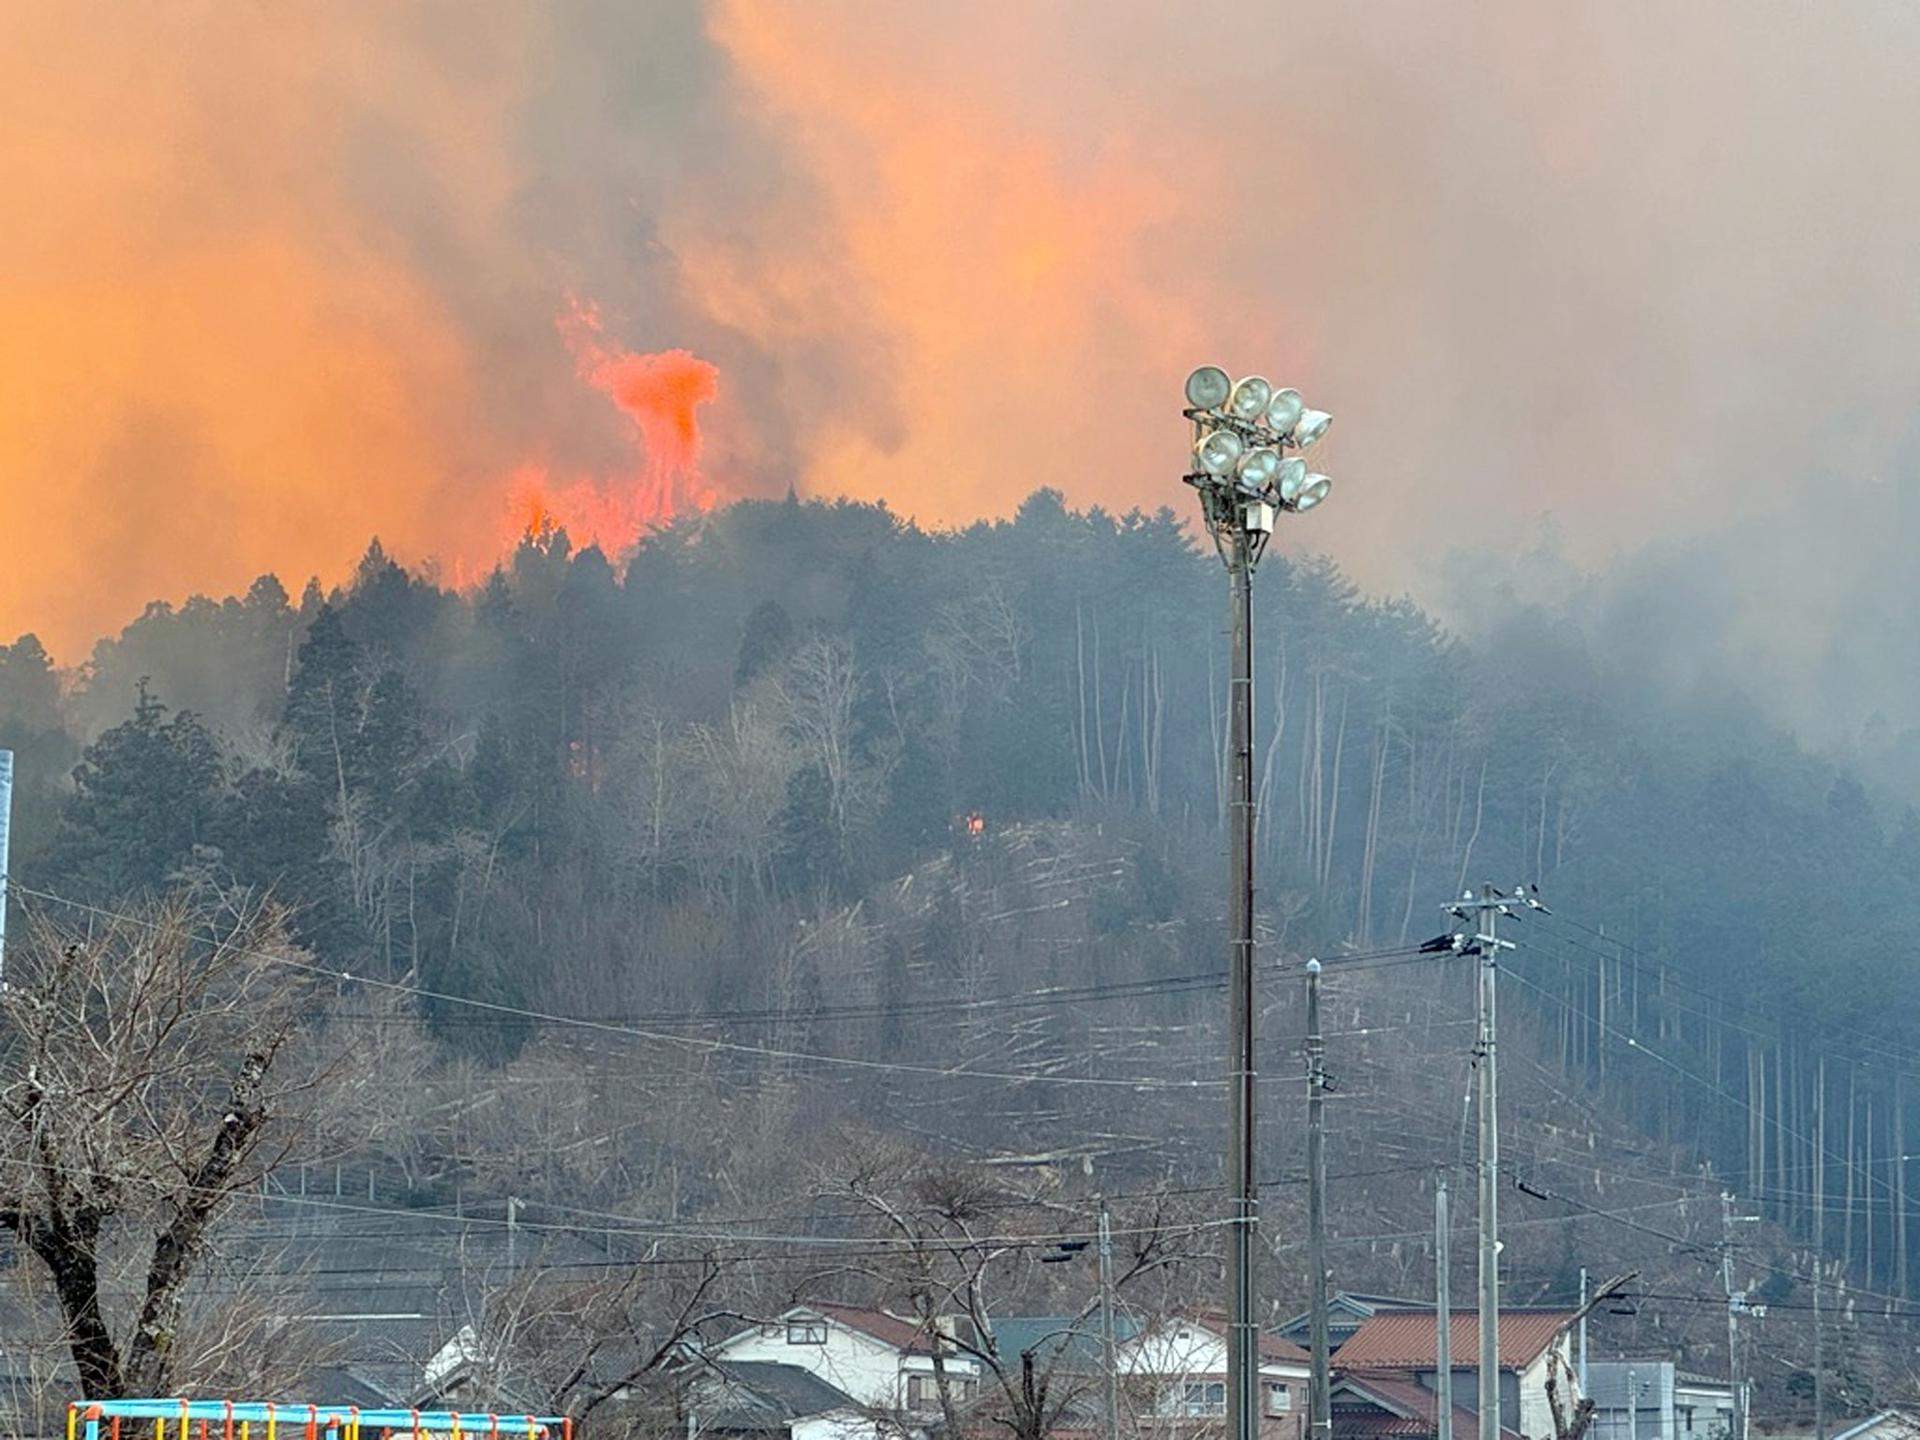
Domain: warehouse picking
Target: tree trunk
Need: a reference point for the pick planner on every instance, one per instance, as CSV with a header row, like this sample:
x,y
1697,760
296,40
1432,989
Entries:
x,y
76,1280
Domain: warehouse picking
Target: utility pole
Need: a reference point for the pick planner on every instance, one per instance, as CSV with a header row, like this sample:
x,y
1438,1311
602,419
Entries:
x,y
1633,1405
1442,1313
1320,1398
1485,909
1736,1302
1488,941
1110,1357
1820,1240
1583,1332
1819,1356
6,826
1241,433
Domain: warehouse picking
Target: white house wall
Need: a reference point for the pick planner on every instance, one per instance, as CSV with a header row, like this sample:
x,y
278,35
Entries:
x,y
837,1425
1189,1350
867,1369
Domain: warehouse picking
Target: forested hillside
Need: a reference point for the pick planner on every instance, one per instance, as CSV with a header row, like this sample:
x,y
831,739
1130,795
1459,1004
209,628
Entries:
x,y
726,790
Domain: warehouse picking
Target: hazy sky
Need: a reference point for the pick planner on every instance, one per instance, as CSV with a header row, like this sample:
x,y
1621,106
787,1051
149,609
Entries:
x,y
280,277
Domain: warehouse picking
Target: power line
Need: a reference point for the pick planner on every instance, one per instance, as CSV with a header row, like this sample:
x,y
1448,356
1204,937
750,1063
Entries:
x,y
1399,954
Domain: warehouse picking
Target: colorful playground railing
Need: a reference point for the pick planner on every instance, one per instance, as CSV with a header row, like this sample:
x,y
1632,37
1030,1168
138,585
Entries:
x,y
237,1420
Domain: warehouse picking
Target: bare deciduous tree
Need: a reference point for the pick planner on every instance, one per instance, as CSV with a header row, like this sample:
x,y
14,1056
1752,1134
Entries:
x,y
957,1253
148,1078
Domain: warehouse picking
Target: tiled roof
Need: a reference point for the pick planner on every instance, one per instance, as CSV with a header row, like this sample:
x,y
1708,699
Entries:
x,y
1406,1408
1404,1339
1272,1347
901,1333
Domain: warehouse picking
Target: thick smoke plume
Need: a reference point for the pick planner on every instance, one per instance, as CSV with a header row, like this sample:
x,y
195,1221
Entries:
x,y
279,280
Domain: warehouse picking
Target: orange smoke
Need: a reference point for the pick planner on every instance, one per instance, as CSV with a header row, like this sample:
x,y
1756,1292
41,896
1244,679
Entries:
x,y
661,395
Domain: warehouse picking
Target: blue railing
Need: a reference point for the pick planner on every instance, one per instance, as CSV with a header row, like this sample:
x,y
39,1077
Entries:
x,y
252,1420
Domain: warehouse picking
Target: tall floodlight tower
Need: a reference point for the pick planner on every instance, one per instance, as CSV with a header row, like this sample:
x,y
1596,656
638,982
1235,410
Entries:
x,y
1242,431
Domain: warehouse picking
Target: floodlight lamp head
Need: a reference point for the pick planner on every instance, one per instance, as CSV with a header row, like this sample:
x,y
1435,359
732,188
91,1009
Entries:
x,y
1312,425
1249,399
1257,468
1283,411
1317,488
1292,478
1208,388
1217,452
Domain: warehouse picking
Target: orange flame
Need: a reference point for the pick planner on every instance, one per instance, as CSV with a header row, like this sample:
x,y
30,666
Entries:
x,y
661,395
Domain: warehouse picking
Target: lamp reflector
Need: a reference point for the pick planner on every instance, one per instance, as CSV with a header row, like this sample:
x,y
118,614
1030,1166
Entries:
x,y
1316,490
1249,398
1217,452
1208,388
1313,424
1293,478
1283,411
1258,467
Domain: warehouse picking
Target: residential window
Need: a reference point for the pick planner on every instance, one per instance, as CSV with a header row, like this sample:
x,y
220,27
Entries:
x,y
806,1332
1279,1399
1686,1418
1205,1397
923,1391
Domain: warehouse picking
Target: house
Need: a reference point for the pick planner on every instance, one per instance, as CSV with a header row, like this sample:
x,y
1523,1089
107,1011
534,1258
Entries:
x,y
1652,1400
1394,1407
1347,1311
760,1398
1177,1370
883,1361
1533,1342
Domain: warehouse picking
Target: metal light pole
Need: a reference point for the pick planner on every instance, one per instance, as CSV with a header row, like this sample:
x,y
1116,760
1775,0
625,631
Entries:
x,y
1241,432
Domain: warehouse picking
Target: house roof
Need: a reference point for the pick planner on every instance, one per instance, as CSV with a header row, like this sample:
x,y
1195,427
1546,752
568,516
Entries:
x,y
1058,1339
764,1395
911,1336
1693,1379
1404,1339
1403,1407
1347,1310
1272,1346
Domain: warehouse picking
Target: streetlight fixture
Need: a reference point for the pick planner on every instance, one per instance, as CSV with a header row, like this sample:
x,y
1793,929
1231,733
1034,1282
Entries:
x,y
1242,432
